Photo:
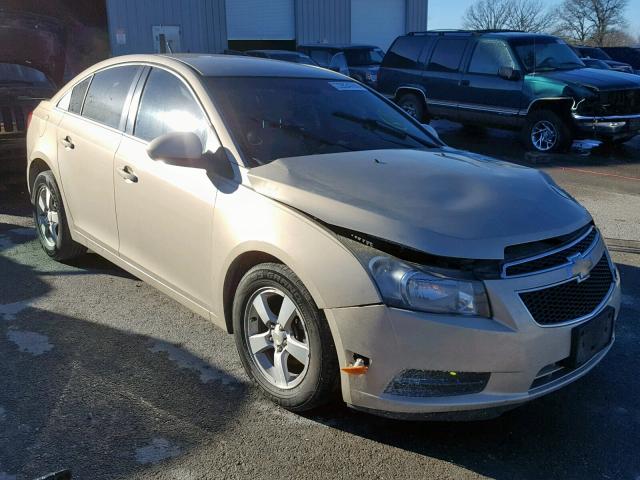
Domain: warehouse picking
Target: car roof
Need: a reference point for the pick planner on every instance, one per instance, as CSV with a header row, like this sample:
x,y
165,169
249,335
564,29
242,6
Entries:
x,y
277,52
506,34
212,65
338,46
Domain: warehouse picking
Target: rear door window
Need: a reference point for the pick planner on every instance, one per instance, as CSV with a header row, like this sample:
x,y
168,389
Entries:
x,y
447,55
404,53
489,56
77,96
166,106
108,93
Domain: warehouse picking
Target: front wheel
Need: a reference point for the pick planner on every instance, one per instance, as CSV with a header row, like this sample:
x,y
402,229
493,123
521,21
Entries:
x,y
546,132
283,339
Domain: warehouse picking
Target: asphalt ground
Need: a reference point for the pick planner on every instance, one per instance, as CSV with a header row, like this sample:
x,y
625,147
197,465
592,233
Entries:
x,y
104,375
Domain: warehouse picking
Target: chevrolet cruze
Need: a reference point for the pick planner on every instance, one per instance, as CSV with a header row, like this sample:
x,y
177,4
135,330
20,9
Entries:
x,y
345,246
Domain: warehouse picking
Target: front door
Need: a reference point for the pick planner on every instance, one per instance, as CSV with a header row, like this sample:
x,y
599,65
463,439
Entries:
x,y
88,137
165,212
486,97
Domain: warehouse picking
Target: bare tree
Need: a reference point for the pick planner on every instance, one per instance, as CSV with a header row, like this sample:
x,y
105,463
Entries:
x,y
530,16
526,15
574,22
487,15
618,38
606,16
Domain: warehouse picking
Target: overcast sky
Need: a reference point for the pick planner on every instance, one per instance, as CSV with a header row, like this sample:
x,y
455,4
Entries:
x,y
448,13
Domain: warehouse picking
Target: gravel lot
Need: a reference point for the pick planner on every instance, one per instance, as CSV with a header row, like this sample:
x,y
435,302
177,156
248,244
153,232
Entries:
x,y
102,374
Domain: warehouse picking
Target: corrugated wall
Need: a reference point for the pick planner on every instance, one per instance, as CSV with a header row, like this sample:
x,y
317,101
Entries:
x,y
323,21
202,23
417,12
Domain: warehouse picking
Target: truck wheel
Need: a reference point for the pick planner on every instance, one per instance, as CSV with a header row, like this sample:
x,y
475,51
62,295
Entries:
x,y
414,106
51,220
545,131
283,339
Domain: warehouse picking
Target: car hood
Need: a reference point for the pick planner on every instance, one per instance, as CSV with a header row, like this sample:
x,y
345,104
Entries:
x,y
441,201
41,44
598,79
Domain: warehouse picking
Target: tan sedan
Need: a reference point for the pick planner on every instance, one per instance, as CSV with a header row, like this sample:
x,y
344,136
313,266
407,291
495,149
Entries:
x,y
342,243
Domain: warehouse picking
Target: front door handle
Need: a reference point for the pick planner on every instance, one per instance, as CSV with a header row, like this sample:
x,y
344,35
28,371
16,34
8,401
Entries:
x,y
464,83
67,143
126,172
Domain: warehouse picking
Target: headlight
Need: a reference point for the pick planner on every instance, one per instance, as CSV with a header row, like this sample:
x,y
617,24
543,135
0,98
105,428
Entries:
x,y
402,285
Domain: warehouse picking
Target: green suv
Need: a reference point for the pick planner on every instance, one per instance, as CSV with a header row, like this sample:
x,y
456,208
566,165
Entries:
x,y
529,82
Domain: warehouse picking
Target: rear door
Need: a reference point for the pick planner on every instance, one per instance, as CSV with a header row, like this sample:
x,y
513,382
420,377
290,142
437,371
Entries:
x,y
403,64
487,97
165,215
88,138
444,75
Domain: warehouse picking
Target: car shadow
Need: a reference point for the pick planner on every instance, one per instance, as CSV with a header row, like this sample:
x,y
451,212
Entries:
x,y
104,402
590,429
506,145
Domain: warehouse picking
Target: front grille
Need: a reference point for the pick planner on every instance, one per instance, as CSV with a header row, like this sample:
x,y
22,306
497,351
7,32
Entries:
x,y
553,260
571,300
430,383
621,102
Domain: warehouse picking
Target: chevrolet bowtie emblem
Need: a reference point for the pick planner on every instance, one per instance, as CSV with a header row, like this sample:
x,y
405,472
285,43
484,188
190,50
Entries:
x,y
580,267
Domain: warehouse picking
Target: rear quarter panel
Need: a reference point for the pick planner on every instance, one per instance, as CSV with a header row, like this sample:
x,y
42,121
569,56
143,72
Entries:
x,y
41,137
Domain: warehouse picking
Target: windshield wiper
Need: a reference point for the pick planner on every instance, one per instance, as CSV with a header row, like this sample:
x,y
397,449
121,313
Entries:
x,y
375,124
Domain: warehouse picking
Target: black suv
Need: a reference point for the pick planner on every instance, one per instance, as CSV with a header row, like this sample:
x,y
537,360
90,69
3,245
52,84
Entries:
x,y
530,82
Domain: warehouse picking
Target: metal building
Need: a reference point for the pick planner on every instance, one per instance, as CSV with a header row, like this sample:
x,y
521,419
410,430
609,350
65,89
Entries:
x,y
146,26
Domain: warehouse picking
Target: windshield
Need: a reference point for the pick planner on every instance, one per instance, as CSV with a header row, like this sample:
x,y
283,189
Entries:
x,y
293,57
11,73
546,54
289,117
363,56
594,53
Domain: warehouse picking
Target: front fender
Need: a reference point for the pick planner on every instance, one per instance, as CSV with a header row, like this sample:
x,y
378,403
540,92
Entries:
x,y
246,221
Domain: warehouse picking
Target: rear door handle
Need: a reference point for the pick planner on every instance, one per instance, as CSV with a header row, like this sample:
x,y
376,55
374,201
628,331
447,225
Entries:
x,y
67,143
464,83
126,172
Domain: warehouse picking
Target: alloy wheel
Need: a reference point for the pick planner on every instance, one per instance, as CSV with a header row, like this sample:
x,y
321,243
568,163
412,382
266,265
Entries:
x,y
544,135
410,108
276,337
47,216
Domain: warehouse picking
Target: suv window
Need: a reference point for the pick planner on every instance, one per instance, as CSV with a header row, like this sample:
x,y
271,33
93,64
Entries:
x,y
107,94
489,55
166,106
447,55
404,53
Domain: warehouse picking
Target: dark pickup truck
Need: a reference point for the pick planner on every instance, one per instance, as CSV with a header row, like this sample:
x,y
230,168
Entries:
x,y
533,83
31,64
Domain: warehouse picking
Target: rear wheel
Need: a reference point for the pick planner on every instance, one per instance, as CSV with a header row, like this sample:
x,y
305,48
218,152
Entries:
x,y
283,339
545,131
51,220
414,106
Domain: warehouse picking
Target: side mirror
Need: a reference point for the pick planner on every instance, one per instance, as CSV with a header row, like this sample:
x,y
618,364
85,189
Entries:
x,y
176,148
431,130
509,73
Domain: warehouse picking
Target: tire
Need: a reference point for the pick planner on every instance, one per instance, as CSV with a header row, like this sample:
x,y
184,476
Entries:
x,y
302,387
551,131
414,106
51,220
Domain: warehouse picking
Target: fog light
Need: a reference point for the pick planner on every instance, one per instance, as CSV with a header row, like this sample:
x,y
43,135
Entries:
x,y
431,383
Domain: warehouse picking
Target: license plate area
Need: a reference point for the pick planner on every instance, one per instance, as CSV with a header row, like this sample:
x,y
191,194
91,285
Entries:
x,y
590,338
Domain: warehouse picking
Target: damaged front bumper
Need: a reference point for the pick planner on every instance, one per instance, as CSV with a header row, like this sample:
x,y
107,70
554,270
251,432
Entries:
x,y
473,367
612,126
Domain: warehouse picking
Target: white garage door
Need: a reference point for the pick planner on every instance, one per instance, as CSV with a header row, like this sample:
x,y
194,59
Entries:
x,y
377,22
260,20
